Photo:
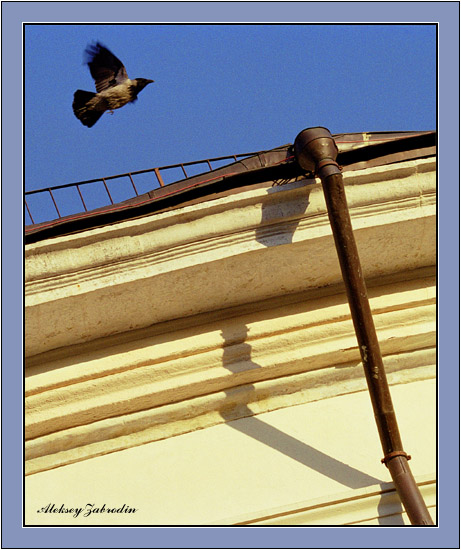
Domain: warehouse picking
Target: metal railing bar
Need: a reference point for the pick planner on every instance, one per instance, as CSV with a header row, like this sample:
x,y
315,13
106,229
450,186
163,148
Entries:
x,y
54,202
107,189
63,186
134,187
156,170
159,177
81,197
206,160
28,211
144,171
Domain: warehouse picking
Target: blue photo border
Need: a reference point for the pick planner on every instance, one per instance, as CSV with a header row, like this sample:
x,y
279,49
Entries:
x,y
446,535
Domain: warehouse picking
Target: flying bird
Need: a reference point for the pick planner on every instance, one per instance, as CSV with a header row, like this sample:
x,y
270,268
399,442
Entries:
x,y
114,88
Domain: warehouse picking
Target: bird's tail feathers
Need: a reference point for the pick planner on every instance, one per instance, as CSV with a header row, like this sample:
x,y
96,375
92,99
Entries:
x,y
87,116
81,97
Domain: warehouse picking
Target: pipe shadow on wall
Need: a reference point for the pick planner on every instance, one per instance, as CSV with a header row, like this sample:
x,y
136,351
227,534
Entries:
x,y
273,230
237,358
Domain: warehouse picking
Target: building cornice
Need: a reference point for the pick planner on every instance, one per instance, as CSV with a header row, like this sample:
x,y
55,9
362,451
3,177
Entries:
x,y
273,241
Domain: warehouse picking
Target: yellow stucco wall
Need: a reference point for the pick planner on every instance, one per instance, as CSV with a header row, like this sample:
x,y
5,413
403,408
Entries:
x,y
201,366
247,470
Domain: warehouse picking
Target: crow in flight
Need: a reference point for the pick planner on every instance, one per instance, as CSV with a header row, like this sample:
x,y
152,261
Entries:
x,y
114,88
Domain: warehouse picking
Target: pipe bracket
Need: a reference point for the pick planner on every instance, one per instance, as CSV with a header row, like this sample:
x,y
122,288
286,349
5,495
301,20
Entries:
x,y
327,167
392,455
327,162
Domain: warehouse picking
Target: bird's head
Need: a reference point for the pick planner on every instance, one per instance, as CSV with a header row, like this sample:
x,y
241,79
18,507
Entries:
x,y
142,83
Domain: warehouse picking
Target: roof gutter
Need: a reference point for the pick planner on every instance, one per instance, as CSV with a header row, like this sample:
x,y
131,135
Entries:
x,y
316,152
275,165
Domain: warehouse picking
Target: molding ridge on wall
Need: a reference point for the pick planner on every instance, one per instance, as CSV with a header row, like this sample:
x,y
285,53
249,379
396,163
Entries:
x,y
274,241
133,393
379,504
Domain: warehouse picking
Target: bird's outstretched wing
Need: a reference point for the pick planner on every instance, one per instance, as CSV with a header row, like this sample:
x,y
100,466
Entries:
x,y
106,69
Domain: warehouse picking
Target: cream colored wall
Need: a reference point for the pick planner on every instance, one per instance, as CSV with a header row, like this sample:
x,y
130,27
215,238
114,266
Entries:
x,y
254,245
201,365
316,463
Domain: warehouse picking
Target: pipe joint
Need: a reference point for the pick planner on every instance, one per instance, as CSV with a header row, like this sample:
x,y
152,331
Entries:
x,y
316,151
392,455
327,167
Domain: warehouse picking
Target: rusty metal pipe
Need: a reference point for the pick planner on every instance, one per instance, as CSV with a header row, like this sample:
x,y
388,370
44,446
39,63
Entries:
x,y
315,151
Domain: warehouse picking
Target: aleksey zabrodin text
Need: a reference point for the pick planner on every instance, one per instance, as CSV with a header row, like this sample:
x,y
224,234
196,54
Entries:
x,y
86,510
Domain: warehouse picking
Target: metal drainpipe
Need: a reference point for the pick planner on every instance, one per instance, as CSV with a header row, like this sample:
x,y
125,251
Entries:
x,y
315,151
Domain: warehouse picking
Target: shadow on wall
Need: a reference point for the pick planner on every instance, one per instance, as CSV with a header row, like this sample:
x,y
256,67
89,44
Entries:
x,y
237,358
273,233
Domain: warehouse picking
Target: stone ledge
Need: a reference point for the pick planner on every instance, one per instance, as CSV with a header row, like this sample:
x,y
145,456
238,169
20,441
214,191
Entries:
x,y
110,398
148,374
317,314
116,434
289,203
273,241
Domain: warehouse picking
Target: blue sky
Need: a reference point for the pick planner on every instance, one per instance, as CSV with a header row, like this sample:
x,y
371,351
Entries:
x,y
219,90
405,101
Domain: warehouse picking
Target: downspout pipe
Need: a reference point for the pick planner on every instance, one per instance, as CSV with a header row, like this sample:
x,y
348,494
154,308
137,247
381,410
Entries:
x,y
316,151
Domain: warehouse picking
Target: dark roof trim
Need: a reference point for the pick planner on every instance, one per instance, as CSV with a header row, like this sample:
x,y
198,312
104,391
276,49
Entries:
x,y
356,151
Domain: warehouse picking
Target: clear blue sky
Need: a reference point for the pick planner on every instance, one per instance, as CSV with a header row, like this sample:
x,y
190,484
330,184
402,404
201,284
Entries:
x,y
219,89
381,80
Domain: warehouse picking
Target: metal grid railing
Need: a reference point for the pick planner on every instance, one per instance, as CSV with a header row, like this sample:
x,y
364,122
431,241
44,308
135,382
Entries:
x,y
67,202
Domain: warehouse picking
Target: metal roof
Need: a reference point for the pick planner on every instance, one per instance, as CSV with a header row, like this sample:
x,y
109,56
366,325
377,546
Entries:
x,y
356,151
